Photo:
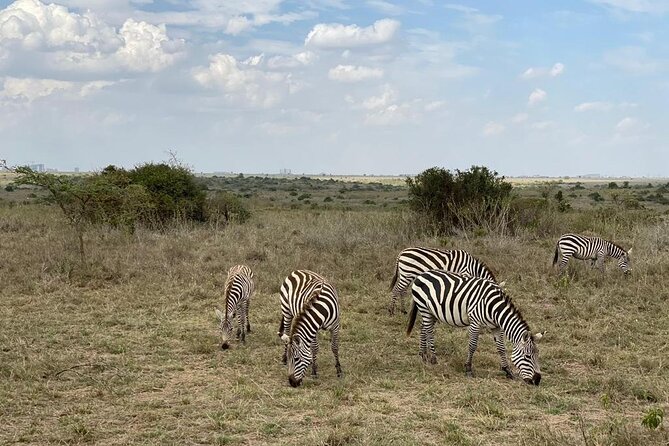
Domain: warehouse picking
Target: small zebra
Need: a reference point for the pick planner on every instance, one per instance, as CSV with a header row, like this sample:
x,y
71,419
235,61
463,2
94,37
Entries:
x,y
413,261
478,303
308,303
590,248
237,290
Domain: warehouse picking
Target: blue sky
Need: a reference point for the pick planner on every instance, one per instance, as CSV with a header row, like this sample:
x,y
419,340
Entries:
x,y
337,86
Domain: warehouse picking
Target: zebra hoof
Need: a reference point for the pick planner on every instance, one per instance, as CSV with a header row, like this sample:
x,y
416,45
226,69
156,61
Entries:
x,y
469,374
433,360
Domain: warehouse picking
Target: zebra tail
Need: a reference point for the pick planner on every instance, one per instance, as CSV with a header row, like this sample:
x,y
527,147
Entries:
x,y
412,317
392,284
557,254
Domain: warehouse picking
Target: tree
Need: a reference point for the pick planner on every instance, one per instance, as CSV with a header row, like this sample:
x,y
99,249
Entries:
x,y
71,194
477,197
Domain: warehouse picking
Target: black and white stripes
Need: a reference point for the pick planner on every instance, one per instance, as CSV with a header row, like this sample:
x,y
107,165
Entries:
x,y
413,261
309,303
589,248
237,290
476,303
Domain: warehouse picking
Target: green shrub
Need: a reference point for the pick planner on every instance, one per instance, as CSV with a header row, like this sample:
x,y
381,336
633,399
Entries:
x,y
10,187
173,190
226,207
463,199
653,419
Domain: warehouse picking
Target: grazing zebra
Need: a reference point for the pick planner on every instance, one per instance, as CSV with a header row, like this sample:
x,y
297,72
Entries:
x,y
413,261
238,289
592,248
478,303
308,304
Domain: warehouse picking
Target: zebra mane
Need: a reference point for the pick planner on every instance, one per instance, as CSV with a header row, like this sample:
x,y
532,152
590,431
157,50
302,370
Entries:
x,y
226,291
616,245
487,269
318,288
515,310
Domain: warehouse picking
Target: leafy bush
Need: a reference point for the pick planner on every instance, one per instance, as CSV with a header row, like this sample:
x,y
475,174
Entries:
x,y
613,185
173,190
460,200
596,196
10,187
226,207
653,419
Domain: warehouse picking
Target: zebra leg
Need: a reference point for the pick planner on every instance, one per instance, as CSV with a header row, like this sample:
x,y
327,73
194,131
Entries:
x,y
473,343
334,335
242,325
248,321
600,261
398,291
314,354
285,322
427,351
498,335
563,263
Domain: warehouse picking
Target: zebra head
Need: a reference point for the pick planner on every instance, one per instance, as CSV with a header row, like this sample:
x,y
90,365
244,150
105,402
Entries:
x,y
624,262
525,357
298,357
225,327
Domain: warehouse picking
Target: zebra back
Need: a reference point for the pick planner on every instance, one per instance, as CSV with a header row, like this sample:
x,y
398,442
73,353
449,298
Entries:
x,y
239,285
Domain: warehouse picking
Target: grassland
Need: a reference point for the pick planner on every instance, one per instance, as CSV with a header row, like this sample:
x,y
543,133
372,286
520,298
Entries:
x,y
124,349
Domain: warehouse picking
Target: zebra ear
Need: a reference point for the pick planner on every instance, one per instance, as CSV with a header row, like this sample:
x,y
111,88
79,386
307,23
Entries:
x,y
285,338
539,336
501,284
219,314
629,250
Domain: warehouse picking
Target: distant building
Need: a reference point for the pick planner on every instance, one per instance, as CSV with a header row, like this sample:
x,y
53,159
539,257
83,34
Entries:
x,y
76,170
37,167
285,172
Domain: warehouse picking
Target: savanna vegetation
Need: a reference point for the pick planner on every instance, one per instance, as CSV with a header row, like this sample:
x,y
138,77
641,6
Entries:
x,y
121,347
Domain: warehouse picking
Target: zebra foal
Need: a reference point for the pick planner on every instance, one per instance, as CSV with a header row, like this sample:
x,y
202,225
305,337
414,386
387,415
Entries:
x,y
592,248
475,303
413,261
237,291
309,303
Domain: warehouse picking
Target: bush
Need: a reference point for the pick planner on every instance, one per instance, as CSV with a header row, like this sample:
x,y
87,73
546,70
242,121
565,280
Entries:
x,y
173,190
461,200
10,187
226,207
613,185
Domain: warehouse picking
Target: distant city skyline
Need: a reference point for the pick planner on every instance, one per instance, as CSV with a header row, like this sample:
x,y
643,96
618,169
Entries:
x,y
372,87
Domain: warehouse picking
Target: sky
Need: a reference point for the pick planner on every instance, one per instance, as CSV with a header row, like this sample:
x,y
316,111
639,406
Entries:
x,y
523,87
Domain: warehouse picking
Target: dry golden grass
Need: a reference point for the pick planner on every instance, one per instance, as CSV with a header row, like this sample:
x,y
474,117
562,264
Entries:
x,y
125,350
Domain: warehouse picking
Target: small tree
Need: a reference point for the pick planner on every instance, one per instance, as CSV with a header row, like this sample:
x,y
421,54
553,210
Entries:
x,y
71,194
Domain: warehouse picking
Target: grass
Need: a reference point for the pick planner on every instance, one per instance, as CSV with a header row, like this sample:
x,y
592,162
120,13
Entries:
x,y
124,350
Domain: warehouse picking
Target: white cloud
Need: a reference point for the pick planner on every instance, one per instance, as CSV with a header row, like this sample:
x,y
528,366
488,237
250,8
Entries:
x,y
336,35
537,72
393,114
519,118
351,73
66,40
593,106
633,60
385,99
538,95
543,125
630,126
385,7
29,90
243,83
434,105
304,58
493,128
639,6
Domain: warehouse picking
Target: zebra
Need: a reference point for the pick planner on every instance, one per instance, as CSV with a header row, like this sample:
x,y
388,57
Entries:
x,y
308,303
413,261
237,290
592,248
477,303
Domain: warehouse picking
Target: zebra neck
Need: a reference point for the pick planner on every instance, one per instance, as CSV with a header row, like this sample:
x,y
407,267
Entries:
x,y
304,331
511,322
614,250
230,304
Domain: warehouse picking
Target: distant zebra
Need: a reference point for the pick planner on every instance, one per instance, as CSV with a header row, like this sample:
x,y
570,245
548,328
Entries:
x,y
308,303
590,248
237,291
413,261
477,303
